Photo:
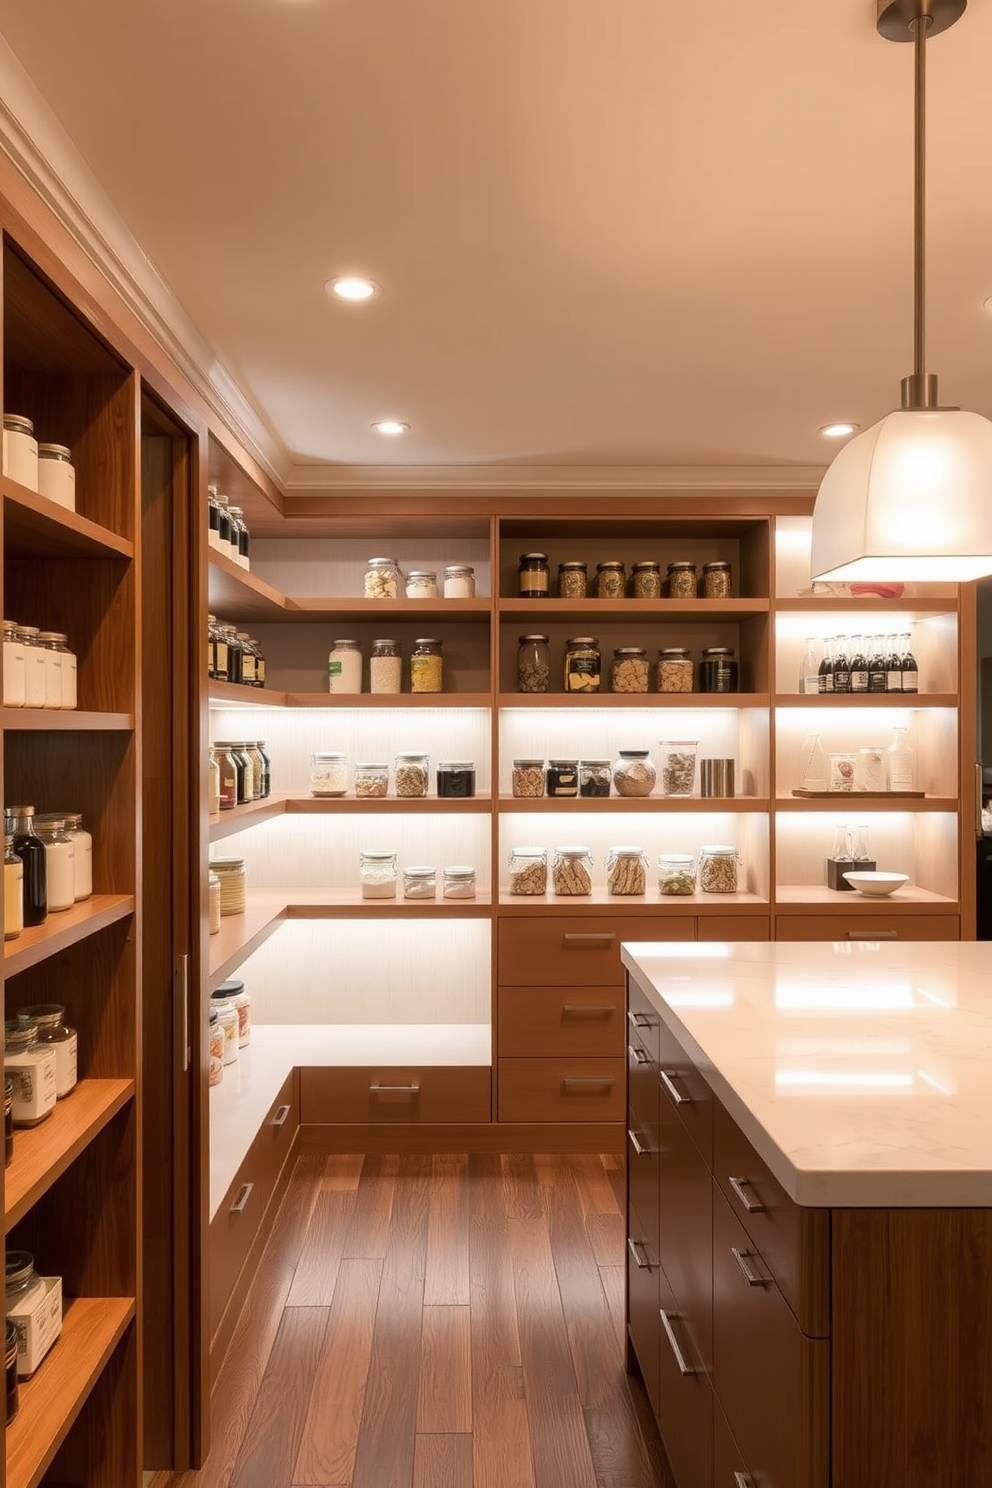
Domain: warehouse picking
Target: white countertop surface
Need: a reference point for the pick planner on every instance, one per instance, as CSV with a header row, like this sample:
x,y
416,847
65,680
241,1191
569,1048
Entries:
x,y
861,1072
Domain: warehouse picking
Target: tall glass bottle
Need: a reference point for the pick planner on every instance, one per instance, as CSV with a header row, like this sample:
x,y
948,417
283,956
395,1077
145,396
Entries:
x,y
31,850
893,665
902,765
826,668
878,670
910,671
813,773
859,665
842,666
809,669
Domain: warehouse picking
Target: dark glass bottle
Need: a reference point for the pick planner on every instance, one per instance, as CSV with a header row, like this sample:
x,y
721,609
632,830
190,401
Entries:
x,y
877,668
842,667
910,671
31,850
826,667
234,669
893,666
859,665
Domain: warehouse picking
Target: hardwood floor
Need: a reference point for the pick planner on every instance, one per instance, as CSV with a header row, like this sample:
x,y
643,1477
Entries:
x,y
435,1322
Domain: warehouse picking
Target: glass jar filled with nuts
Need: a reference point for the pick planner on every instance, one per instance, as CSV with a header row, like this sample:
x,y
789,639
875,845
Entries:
x,y
533,663
573,580
626,870
681,581
673,670
528,870
718,869
629,669
571,871
527,778
717,580
410,772
645,580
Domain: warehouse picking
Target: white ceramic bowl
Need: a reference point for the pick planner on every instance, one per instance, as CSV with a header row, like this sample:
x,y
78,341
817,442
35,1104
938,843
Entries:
x,y
876,884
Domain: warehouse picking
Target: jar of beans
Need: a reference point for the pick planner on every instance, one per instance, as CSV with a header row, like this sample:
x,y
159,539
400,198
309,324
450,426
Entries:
x,y
718,870
645,580
681,581
533,663
673,670
629,670
611,580
676,873
573,580
717,580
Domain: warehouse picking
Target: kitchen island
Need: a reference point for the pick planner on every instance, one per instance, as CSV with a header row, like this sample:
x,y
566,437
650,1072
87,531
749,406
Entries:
x,y
810,1211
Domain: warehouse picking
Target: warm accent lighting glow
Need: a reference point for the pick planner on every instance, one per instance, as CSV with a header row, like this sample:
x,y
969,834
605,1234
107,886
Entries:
x,y
390,426
352,288
838,431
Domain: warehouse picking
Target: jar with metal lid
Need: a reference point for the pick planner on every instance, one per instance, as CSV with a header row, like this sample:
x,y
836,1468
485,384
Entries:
x,y
382,578
223,1004
59,862
645,580
420,882
595,777
634,773
31,1066
328,773
673,670
371,779
234,670
48,640
717,580
56,475
681,581
385,667
426,665
13,890
233,884
224,528
213,519
562,777
68,656
34,666
29,847
527,778
344,667
10,1369
216,650
377,873
213,783
676,873
459,581
266,768
8,1119
234,991
528,870
678,766
573,580
241,539
611,580
571,870
13,666
20,450
718,870
257,760
228,776
243,771
421,583
82,854
626,871
533,663
411,772
583,664
533,576
51,1028
458,882
216,1037
718,669
455,779
213,901
629,669
33,1304
259,662
249,656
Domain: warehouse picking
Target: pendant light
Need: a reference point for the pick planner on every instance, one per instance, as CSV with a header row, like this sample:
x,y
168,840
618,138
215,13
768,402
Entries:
x,y
911,497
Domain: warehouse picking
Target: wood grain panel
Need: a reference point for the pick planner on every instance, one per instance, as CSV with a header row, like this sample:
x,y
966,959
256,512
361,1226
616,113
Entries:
x,y
558,951
444,1403
395,1094
103,1448
337,1395
733,927
684,1091
42,1153
577,1089
447,1281
442,1461
317,1271
275,1431
553,1021
912,926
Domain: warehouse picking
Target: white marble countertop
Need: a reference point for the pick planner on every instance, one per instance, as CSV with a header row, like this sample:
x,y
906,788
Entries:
x,y
861,1072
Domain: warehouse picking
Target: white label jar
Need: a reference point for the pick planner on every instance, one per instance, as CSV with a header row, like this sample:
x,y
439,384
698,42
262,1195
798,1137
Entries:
x,y
60,857
54,1034
82,862
377,873
459,581
328,773
344,667
31,1066
13,667
56,475
20,450
34,666
53,668
227,1015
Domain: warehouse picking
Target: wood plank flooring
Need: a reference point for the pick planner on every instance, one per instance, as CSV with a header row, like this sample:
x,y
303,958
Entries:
x,y
435,1322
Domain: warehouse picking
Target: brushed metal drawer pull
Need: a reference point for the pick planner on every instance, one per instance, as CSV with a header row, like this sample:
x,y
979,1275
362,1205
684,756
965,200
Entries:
x,y
742,1257
753,1206
589,1009
638,1055
244,1194
638,1249
678,1098
394,1090
587,1082
666,1322
743,1480
592,937
873,934
279,1119
639,1020
636,1144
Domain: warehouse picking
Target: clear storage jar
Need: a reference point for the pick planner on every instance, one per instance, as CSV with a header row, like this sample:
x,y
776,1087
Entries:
x,y
56,475
676,873
533,663
421,583
31,1066
595,778
377,873
410,772
20,450
718,582
645,580
718,869
227,1015
573,580
527,778
626,871
673,670
233,884
634,773
344,667
459,581
528,870
427,665
611,580
382,579
533,576
213,784
328,773
571,871
420,882
34,666
583,664
52,1030
59,862
213,901
49,641
629,669
458,882
678,766
13,666
216,1036
681,581
228,776
386,667
234,991
371,779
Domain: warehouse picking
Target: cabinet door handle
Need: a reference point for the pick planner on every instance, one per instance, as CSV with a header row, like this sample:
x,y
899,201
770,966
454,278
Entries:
x,y
873,934
739,1185
638,1055
592,937
244,1194
588,1082
666,1321
678,1098
743,1257
635,1142
639,1251
279,1119
394,1090
639,1020
588,1009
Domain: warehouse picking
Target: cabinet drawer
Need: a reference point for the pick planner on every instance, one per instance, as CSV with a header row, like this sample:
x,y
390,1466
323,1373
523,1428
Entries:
x,y
841,926
561,1090
643,1302
643,1020
733,927
687,1093
644,1179
577,951
772,1381
404,1094
793,1242
236,1223
684,1225
685,1414
729,1467
552,1020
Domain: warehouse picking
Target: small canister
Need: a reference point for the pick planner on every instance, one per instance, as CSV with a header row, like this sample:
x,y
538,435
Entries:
x,y
717,580
571,872
56,475
528,870
611,580
328,773
233,884
410,772
234,991
32,1067
681,581
673,670
458,882
583,664
562,777
645,580
216,1032
676,873
377,873
228,1016
716,777
371,779
573,580
421,583
344,667
527,778
718,670
455,779
533,576
20,450
48,1019
382,579
420,882
629,669
718,870
459,581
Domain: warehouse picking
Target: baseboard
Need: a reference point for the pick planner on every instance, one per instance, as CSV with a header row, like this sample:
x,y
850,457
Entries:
x,y
492,1136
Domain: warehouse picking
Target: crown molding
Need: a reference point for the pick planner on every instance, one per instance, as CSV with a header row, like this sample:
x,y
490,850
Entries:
x,y
40,149
330,480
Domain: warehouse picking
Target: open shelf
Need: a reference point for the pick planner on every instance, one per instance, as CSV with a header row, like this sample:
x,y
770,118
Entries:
x,y
651,903
68,720
911,899
847,800
918,607
608,805
226,694
866,700
63,929
42,1153
35,527
253,812
653,700
236,594
588,610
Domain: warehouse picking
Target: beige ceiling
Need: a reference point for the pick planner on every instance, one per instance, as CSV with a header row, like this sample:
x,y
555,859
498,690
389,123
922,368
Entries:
x,y
608,232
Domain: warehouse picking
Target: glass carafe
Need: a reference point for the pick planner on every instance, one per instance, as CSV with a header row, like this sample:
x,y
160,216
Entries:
x,y
813,771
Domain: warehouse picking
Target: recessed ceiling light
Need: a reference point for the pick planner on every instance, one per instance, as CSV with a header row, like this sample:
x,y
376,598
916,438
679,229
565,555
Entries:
x,y
838,431
352,288
390,426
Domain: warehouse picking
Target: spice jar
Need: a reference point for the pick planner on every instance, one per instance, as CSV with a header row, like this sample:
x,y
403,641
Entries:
x,y
527,778
411,773
234,657
240,537
634,773
227,1015
582,664
213,901
216,650
626,870
673,670
573,580
571,871
259,783
344,667
717,580
10,1369
382,578
426,665
459,581
13,666
611,580
681,581
377,873
328,773
533,576
249,658
213,784
49,641
629,670
385,667
533,663
562,777
371,779
420,883
421,583
216,1035
678,766
234,991
458,882
31,1066
718,669
528,870
34,666
228,777
595,777
456,779
645,580
56,475
13,890
51,1028
20,450
676,873
233,884
59,862
718,870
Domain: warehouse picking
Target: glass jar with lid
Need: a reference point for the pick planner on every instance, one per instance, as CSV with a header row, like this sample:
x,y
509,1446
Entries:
x,y
33,1304
611,580
233,884
629,669
678,766
246,772
385,666
681,581
533,576
13,666
458,882
224,528
216,650
233,652
626,871
634,773
31,1066
673,670
266,768
29,847
49,641
213,783
420,882
573,580
382,578
377,873
527,778
215,1034
718,669
583,664
213,902
427,665
82,854
69,698
52,1029
571,870
20,450
238,996
241,539
533,663
222,1003
59,862
459,581
344,667
371,779
213,519
34,666
676,873
411,772
595,777
421,583
718,869
528,870
256,759
57,475
228,776
717,580
455,779
562,778
13,890
328,773
249,659
645,580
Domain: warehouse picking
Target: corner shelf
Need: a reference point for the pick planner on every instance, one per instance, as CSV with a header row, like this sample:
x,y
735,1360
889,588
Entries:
x,y
866,700
64,929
